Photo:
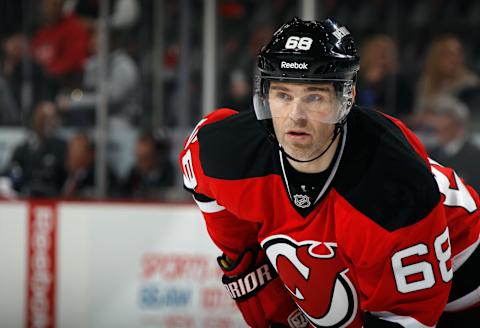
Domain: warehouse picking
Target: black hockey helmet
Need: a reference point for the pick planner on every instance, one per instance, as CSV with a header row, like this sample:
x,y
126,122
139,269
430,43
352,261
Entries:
x,y
308,52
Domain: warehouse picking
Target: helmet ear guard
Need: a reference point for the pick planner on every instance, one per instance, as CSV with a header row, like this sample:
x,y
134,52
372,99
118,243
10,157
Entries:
x,y
260,104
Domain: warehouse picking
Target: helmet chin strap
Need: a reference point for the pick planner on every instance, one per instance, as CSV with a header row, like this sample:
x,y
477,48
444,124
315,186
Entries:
x,y
338,130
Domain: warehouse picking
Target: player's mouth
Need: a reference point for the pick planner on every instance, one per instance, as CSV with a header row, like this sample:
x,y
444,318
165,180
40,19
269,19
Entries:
x,y
297,135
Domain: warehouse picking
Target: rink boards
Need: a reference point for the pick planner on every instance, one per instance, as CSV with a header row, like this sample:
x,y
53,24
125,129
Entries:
x,y
90,264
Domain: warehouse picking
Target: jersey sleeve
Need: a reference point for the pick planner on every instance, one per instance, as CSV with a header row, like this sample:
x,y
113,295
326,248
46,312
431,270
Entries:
x,y
404,276
266,302
460,201
460,204
194,178
228,232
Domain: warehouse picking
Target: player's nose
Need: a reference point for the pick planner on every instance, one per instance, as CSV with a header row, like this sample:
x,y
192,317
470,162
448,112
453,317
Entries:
x,y
297,112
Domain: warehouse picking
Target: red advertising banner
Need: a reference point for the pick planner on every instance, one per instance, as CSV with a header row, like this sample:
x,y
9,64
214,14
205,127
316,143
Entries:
x,y
41,264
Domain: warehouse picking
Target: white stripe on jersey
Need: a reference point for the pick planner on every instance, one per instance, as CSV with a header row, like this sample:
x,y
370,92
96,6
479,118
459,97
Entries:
x,y
407,322
471,298
463,256
209,207
464,302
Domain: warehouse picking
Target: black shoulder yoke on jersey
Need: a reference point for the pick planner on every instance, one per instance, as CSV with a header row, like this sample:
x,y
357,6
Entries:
x,y
237,148
381,174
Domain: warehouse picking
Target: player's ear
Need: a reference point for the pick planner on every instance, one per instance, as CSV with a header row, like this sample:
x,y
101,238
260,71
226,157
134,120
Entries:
x,y
354,93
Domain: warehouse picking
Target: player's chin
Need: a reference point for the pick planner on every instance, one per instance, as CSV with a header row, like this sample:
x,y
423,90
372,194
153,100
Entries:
x,y
299,151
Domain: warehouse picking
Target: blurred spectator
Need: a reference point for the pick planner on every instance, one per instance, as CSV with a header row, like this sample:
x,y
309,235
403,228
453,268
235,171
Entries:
x,y
444,72
239,80
381,85
36,167
24,77
124,17
123,76
239,95
80,166
11,17
9,113
124,13
259,38
447,118
153,170
61,44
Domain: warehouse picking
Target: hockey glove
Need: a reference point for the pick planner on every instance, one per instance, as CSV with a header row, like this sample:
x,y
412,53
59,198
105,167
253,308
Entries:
x,y
260,295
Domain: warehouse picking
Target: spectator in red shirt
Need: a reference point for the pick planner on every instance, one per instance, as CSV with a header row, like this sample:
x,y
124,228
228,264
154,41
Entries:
x,y
61,44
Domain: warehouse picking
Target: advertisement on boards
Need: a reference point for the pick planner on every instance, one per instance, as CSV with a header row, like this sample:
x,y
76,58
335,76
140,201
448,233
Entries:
x,y
109,265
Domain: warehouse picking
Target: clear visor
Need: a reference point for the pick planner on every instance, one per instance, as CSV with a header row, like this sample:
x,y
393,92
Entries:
x,y
326,101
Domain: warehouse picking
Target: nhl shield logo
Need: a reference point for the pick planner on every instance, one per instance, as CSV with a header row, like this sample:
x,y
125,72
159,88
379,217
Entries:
x,y
302,201
297,320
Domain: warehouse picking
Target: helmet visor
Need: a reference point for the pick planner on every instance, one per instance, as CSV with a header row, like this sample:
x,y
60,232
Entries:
x,y
326,101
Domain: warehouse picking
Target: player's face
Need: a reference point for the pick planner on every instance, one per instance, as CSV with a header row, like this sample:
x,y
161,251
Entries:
x,y
299,112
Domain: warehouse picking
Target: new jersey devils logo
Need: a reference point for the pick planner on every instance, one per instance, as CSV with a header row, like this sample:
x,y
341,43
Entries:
x,y
317,279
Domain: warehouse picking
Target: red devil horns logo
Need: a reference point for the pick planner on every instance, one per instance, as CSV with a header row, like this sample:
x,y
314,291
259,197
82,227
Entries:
x,y
317,279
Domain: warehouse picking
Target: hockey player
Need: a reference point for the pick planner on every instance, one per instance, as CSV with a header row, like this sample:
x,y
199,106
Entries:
x,y
329,215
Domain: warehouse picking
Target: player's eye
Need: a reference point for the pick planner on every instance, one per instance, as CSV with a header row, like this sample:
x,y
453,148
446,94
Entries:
x,y
312,98
283,96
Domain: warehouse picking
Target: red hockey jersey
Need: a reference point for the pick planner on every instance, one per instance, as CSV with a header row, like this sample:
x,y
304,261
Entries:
x,y
386,234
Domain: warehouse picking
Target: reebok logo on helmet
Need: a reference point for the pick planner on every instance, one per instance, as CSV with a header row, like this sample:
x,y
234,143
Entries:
x,y
294,65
